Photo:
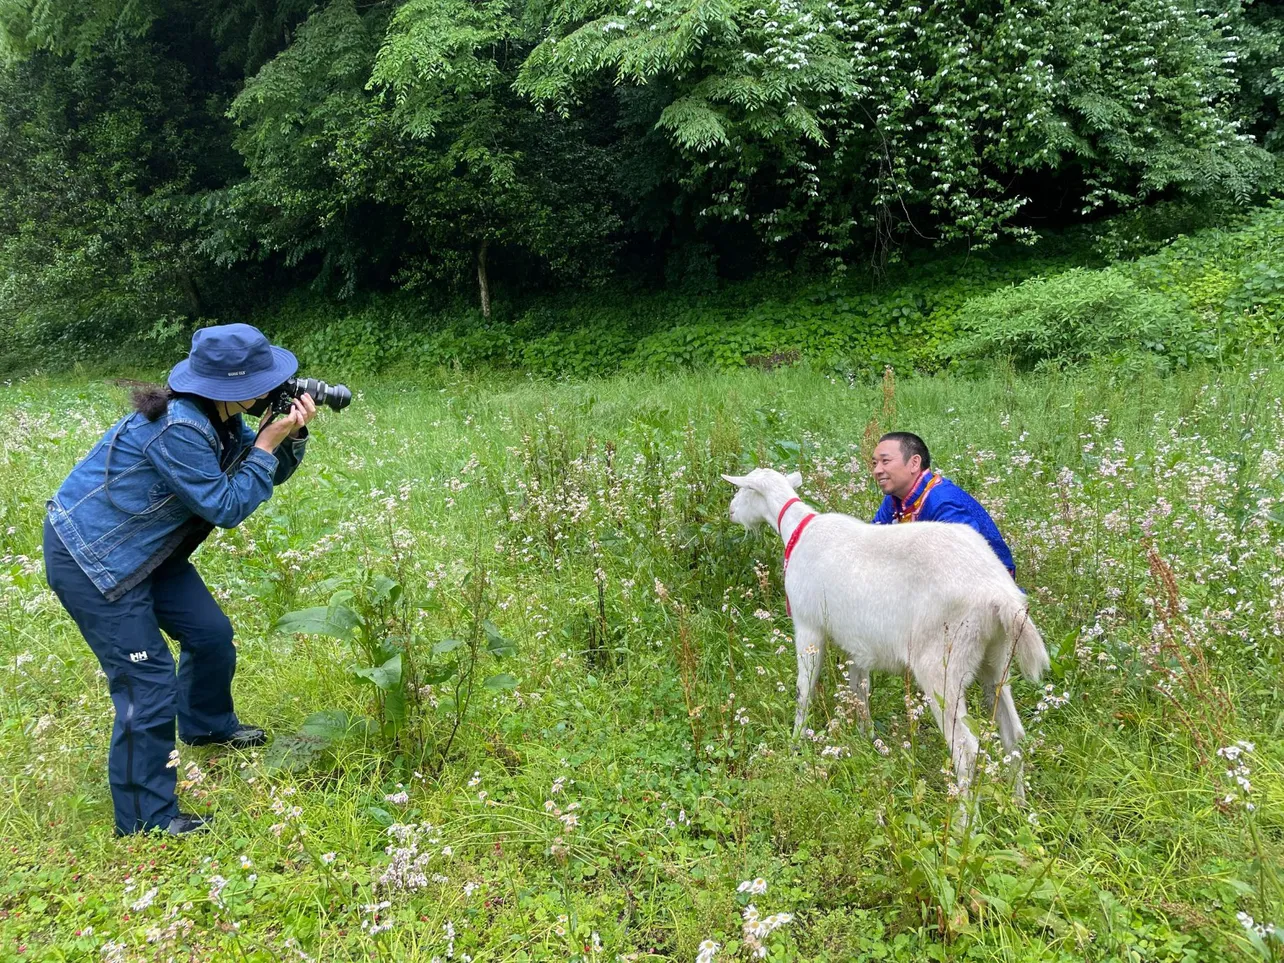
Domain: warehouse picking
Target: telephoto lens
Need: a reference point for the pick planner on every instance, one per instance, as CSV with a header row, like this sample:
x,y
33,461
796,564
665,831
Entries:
x,y
334,397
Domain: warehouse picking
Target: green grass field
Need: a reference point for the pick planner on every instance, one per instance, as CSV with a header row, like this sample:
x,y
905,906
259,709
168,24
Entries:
x,y
569,737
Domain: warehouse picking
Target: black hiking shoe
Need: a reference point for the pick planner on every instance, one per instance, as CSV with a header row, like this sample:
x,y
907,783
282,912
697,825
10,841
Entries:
x,y
186,823
242,737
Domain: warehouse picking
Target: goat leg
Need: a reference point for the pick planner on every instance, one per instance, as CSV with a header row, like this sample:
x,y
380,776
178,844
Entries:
x,y
949,709
858,693
1011,732
809,644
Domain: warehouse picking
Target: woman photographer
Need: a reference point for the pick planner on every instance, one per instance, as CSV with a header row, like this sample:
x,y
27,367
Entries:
x,y
117,538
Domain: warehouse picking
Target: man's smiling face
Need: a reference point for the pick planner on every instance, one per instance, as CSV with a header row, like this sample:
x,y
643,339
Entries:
x,y
895,476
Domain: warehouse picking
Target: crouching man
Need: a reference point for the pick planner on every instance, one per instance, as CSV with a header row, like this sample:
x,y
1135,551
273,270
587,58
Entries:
x,y
913,492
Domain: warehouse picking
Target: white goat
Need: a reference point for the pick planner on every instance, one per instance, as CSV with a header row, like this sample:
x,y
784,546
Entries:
x,y
930,596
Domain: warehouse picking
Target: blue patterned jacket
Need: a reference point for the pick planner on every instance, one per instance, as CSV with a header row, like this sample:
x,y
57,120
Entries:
x,y
935,498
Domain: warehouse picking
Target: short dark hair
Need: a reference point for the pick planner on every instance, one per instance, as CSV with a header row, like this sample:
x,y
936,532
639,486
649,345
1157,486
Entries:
x,y
152,401
911,445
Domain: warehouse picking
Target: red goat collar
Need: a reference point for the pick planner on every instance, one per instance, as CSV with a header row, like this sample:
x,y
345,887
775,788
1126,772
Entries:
x,y
780,519
797,533
789,549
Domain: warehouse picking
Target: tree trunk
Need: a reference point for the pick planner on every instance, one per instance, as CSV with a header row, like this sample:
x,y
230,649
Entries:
x,y
194,302
483,280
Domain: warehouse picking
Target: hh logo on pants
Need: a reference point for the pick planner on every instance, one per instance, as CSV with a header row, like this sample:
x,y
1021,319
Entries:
x,y
138,657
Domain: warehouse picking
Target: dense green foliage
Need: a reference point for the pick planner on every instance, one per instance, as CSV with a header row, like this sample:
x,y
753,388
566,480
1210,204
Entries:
x,y
838,325
1206,298
624,758
1076,317
1209,297
166,164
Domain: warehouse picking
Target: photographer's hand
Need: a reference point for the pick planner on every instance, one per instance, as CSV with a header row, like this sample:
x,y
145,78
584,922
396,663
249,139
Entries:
x,y
272,435
309,412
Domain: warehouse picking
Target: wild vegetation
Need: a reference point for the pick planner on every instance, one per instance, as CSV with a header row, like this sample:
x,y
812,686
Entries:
x,y
531,691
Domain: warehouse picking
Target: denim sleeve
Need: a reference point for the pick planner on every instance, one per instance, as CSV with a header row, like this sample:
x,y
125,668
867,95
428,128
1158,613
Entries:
x,y
884,515
188,462
248,433
288,454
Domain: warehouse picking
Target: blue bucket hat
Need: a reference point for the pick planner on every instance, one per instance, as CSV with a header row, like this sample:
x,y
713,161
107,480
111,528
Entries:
x,y
232,362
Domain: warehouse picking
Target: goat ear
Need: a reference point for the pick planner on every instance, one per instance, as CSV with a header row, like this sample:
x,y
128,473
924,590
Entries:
x,y
738,480
795,479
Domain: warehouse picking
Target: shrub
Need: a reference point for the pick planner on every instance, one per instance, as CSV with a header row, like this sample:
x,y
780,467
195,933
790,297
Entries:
x,y
1076,317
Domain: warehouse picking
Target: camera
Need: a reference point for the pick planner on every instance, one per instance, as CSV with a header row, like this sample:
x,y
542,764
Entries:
x,y
334,397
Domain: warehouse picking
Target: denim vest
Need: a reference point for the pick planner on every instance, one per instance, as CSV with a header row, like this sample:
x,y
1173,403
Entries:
x,y
147,486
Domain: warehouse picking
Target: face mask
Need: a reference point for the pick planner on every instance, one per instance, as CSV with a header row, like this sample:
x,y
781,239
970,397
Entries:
x,y
260,406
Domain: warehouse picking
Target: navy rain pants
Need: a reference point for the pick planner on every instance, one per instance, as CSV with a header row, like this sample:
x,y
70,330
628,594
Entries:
x,y
148,694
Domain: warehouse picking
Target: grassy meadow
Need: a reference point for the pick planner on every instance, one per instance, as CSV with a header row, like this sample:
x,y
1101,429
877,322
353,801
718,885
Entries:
x,y
531,692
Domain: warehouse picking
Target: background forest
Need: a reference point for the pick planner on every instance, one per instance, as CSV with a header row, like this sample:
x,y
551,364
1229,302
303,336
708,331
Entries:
x,y
440,181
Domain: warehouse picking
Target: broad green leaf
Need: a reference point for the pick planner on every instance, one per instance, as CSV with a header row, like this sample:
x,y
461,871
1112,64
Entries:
x,y
297,751
328,724
332,584
292,753
496,644
446,645
386,590
394,706
380,815
338,623
384,676
434,674
501,681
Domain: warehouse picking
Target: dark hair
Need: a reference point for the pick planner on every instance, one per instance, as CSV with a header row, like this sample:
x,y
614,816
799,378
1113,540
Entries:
x,y
911,445
151,400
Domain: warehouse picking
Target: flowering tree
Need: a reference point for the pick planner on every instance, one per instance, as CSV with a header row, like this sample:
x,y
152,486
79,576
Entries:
x,y
822,119
437,142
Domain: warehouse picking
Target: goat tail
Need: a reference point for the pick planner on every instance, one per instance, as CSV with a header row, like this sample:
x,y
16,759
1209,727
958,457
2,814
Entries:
x,y
1024,638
